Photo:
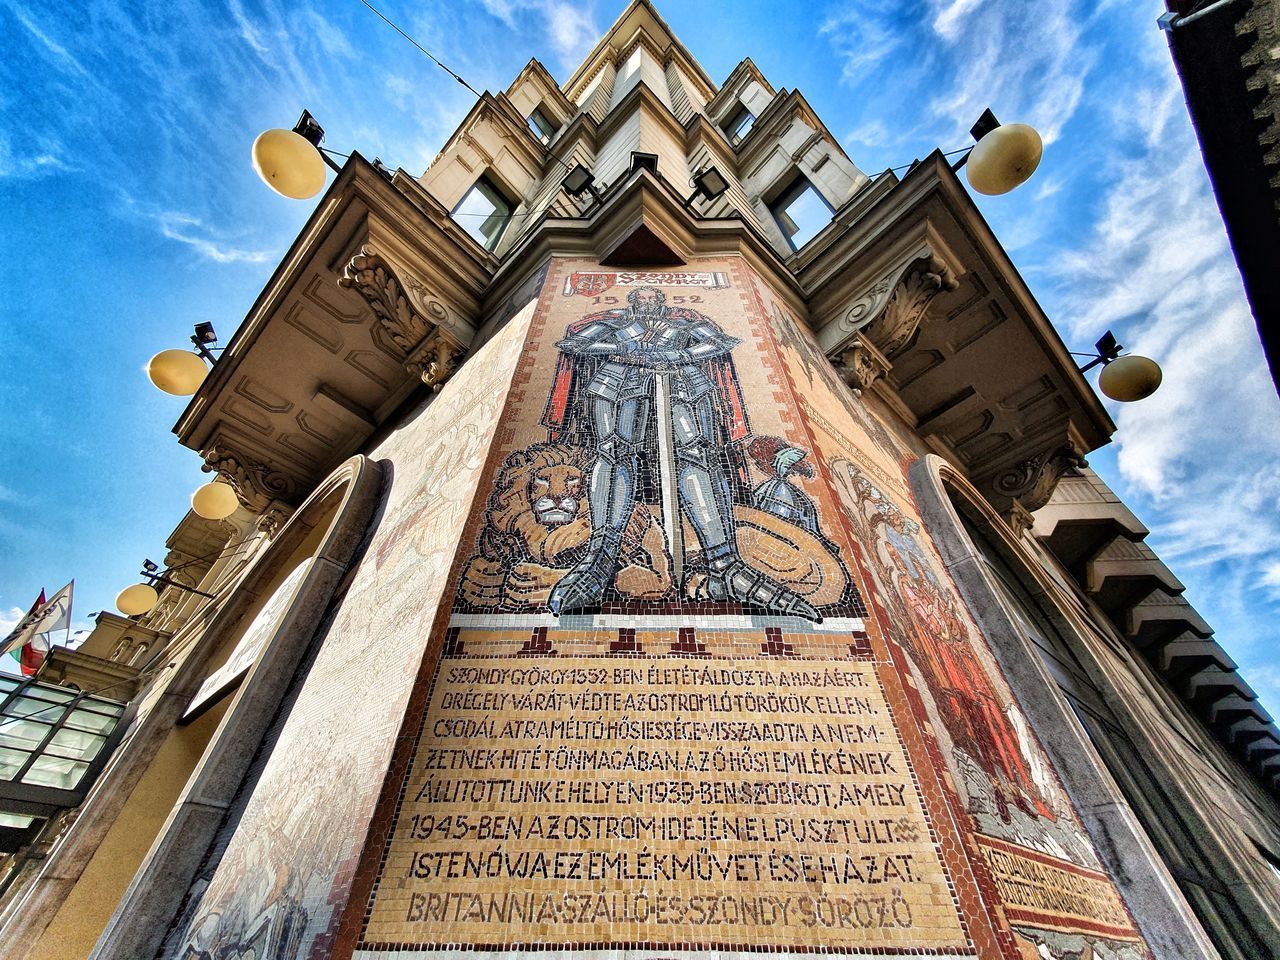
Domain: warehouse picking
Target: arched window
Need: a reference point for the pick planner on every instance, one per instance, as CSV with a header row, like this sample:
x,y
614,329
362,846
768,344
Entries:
x,y
212,752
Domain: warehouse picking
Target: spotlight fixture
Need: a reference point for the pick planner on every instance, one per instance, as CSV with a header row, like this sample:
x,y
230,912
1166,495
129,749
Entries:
x,y
292,162
1004,156
644,161
708,183
1126,378
580,181
203,338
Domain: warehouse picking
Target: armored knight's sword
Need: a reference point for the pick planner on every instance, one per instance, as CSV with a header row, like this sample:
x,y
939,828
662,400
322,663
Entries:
x,y
671,524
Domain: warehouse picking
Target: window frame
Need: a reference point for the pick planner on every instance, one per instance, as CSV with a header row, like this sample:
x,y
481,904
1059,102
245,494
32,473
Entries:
x,y
732,125
484,183
795,188
545,130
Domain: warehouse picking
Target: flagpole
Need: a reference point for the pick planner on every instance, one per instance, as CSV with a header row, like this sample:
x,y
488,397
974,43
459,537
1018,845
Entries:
x,y
71,599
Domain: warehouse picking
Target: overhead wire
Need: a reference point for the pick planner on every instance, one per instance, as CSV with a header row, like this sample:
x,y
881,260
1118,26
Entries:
x,y
453,73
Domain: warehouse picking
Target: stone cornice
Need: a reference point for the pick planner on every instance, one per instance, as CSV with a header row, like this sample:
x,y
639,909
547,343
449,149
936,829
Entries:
x,y
732,85
640,99
651,201
358,195
929,208
764,133
641,16
500,111
317,364
535,73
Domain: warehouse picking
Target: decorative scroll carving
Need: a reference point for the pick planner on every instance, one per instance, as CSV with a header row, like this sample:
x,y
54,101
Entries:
x,y
255,483
889,313
861,364
409,315
369,275
1031,482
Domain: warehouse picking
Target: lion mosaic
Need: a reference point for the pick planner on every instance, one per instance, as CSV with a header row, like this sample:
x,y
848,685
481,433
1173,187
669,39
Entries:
x,y
536,529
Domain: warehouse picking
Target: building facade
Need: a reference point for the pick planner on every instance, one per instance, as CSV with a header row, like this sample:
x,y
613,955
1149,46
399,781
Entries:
x,y
1228,59
657,570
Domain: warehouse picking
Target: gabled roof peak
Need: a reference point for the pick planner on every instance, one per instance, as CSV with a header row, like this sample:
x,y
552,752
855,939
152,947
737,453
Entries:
x,y
640,17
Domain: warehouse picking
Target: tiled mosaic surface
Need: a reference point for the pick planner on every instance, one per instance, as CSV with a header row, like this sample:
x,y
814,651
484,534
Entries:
x,y
696,679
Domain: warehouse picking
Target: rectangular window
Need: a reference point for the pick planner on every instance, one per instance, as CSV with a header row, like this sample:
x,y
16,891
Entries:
x,y
542,127
739,124
801,212
484,213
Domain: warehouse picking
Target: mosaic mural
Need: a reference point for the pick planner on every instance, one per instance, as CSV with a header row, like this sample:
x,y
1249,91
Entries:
x,y
705,685
651,656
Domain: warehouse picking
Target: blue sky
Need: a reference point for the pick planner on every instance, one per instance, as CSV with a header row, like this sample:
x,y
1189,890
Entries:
x,y
130,212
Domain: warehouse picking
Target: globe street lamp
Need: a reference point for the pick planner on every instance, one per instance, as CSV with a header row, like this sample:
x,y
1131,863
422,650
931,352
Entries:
x,y
1004,157
292,162
1126,378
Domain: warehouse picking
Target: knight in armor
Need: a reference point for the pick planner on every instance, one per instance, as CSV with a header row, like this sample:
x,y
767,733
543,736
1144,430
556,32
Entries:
x,y
779,495
619,354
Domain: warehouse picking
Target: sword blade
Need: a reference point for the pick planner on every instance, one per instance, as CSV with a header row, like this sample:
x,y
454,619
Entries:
x,y
671,524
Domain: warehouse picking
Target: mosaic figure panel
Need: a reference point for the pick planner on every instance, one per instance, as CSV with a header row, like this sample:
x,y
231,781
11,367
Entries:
x,y
691,549
1030,844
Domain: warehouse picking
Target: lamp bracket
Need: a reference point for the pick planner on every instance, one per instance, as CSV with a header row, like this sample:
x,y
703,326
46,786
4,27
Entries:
x,y
155,578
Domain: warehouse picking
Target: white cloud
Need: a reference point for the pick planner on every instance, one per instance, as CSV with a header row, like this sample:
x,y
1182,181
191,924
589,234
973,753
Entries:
x,y
948,19
570,27
930,72
10,619
332,40
863,36
58,54
250,32
190,230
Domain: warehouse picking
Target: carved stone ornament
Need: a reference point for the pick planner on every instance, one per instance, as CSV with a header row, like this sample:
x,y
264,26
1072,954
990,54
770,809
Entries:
x,y
410,318
889,313
255,483
861,364
1031,483
1019,518
272,518
434,361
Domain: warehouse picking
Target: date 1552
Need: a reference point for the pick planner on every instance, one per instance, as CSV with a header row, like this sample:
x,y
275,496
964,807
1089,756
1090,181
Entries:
x,y
692,298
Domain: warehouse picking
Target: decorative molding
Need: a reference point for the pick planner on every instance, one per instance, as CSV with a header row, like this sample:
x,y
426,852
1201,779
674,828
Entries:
x,y
861,364
410,316
370,276
888,314
255,483
434,361
272,518
1019,518
1031,482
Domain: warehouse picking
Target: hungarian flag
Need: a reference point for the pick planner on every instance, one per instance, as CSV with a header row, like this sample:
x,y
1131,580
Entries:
x,y
30,640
